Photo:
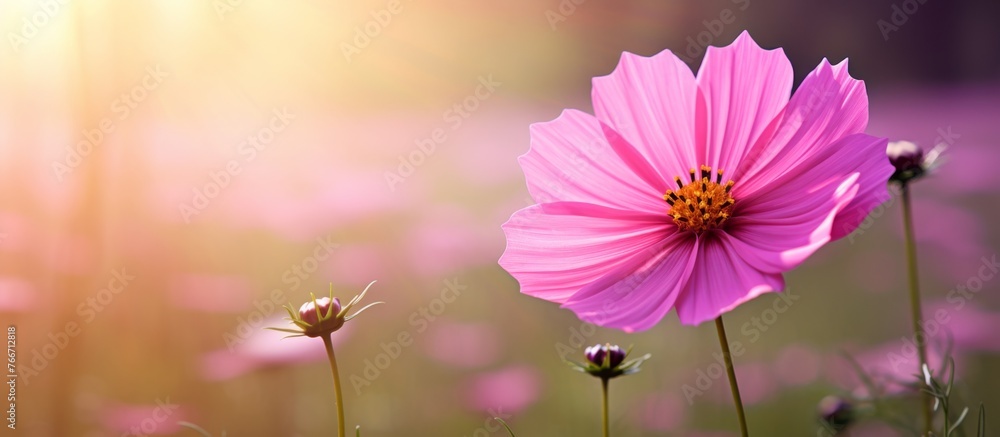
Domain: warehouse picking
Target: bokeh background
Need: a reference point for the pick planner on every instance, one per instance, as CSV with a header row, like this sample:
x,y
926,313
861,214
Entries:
x,y
170,169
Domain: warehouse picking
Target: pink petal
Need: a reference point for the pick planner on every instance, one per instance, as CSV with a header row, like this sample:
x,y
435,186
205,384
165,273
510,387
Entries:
x,y
572,159
651,103
554,254
743,89
828,106
721,281
639,292
779,228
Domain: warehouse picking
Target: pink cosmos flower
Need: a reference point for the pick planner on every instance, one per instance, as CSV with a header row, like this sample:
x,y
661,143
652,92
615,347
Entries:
x,y
692,192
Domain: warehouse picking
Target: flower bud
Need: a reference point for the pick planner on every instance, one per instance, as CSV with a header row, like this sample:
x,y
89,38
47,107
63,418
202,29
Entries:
x,y
608,361
322,315
910,161
598,353
836,412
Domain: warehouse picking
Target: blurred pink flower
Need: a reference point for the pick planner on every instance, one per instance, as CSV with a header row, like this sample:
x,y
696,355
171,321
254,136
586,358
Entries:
x,y
950,236
356,263
17,295
155,419
265,348
660,412
446,240
892,366
757,385
210,293
602,242
797,365
463,345
511,389
969,327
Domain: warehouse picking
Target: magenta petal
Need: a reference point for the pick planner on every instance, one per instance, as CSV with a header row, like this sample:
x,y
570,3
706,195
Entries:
x,y
554,250
651,103
744,88
571,159
638,293
721,281
828,106
822,199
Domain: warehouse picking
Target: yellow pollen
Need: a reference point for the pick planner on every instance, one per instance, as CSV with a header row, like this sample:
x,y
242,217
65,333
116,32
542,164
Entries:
x,y
702,204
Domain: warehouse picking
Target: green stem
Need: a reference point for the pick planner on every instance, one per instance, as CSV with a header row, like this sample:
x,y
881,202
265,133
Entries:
x,y
915,310
604,389
733,385
336,385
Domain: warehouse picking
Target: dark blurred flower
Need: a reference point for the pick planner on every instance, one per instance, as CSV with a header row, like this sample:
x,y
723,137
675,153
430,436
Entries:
x,y
608,361
320,317
836,412
910,160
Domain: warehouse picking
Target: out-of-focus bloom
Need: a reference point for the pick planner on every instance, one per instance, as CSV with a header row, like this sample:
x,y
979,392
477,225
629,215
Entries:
x,y
17,295
694,193
511,389
262,350
321,317
835,412
797,365
211,293
607,361
965,326
463,345
156,419
891,367
659,412
910,160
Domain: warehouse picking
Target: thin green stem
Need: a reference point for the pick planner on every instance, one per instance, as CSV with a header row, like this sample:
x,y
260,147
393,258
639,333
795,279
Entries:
x,y
604,389
915,309
733,385
336,385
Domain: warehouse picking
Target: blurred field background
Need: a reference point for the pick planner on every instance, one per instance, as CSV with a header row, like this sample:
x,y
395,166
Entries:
x,y
168,169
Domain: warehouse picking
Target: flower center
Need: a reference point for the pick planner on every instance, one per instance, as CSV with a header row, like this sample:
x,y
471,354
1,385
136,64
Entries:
x,y
702,204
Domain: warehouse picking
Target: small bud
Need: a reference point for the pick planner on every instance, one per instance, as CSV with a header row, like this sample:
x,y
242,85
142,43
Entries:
x,y
596,354
608,361
836,412
910,160
323,316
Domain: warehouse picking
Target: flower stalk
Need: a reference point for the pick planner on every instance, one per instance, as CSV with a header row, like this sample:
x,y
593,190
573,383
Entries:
x,y
336,385
607,361
604,415
731,371
915,306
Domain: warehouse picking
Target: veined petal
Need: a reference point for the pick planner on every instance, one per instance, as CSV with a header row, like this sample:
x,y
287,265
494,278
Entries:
x,y
828,106
721,281
825,198
651,103
743,88
554,250
573,159
639,292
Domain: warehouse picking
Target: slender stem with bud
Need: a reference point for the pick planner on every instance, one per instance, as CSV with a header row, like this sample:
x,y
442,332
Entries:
x,y
915,309
733,385
336,385
604,389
